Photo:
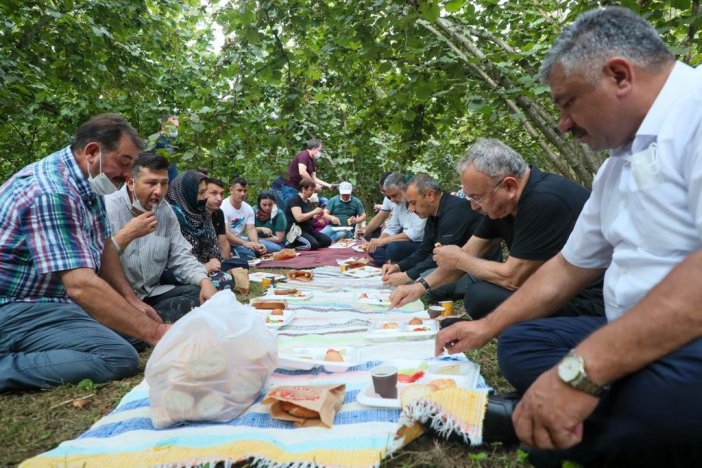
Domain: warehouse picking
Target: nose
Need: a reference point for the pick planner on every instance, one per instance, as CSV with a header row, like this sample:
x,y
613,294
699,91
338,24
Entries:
x,y
565,123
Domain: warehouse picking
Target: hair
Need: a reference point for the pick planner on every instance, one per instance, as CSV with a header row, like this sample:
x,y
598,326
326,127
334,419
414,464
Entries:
x,y
395,180
106,129
151,161
211,180
383,176
423,183
203,170
493,158
312,144
265,195
599,34
166,118
238,180
305,183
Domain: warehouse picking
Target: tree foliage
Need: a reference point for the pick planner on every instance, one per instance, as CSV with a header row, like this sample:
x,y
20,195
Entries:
x,y
386,84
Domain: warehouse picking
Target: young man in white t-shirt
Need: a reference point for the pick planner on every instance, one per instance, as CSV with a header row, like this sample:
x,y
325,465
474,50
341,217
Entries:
x,y
239,219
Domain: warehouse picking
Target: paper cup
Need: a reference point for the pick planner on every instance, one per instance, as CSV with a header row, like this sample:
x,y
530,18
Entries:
x,y
435,311
343,267
448,307
385,381
265,282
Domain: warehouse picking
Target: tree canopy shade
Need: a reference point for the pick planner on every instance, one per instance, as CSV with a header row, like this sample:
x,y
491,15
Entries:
x,y
386,84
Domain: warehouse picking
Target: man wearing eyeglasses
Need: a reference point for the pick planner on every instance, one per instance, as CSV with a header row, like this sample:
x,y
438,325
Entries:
x,y
531,211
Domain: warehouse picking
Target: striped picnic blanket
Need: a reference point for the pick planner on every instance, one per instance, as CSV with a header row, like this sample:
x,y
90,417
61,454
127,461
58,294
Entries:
x,y
360,437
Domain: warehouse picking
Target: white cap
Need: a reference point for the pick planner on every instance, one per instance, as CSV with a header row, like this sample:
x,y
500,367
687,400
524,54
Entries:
x,y
345,188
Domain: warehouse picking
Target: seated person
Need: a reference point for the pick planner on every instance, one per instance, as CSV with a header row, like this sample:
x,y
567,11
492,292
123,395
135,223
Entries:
x,y
319,221
301,212
449,221
186,195
214,194
61,321
270,222
150,241
405,231
532,211
239,217
343,210
382,211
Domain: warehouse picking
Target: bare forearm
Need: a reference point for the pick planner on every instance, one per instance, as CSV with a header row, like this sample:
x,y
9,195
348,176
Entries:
x,y
224,246
666,319
509,275
376,221
111,271
253,234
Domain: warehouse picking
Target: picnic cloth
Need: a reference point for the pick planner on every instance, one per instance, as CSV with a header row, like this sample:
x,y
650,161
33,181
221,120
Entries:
x,y
361,436
312,259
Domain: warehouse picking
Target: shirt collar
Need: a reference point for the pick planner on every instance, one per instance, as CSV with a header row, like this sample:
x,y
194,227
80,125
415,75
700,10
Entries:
x,y
69,160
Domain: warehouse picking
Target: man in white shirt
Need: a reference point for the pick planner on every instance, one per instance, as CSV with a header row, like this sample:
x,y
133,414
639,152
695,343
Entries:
x,y
239,218
150,240
405,230
626,389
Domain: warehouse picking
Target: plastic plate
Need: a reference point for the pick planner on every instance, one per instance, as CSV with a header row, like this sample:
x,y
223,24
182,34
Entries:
x,y
308,358
392,330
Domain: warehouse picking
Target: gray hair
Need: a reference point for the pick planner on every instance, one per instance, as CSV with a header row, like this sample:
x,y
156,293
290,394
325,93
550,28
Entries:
x,y
423,183
396,181
600,34
493,158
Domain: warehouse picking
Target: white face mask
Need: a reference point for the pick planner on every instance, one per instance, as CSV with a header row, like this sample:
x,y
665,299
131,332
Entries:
x,y
274,211
101,184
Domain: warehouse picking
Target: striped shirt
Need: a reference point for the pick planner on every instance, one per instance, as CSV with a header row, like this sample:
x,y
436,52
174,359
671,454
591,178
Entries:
x,y
52,221
145,258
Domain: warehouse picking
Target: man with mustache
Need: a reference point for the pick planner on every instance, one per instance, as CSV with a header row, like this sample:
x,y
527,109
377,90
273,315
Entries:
x,y
61,321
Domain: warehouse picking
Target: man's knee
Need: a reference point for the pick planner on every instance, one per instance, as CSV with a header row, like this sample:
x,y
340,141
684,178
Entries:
x,y
117,362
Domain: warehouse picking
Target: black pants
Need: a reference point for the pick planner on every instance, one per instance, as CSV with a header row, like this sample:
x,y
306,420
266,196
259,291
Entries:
x,y
175,303
311,241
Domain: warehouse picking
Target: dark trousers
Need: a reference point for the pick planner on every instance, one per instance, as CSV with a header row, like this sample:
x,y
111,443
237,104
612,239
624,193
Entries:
x,y
311,241
175,303
655,410
482,297
393,252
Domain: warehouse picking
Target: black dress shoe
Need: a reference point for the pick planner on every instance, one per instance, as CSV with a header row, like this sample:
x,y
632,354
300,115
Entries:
x,y
497,425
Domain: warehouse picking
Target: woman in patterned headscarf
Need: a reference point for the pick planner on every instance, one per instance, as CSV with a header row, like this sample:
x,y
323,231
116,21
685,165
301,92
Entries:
x,y
186,195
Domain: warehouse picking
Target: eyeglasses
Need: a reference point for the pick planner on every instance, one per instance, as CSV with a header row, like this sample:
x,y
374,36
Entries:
x,y
480,199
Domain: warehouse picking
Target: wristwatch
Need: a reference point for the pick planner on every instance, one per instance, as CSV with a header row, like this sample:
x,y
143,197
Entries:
x,y
571,370
424,283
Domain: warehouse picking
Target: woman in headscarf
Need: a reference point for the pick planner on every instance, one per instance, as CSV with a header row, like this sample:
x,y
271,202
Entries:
x,y
186,195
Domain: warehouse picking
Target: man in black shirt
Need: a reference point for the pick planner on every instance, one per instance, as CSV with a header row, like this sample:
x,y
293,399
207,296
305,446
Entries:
x,y
214,196
532,211
450,221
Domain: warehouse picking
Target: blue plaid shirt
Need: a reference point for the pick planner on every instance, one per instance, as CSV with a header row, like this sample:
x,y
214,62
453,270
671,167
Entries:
x,y
50,221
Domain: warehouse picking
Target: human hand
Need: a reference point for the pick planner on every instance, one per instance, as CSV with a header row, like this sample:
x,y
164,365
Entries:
x,y
141,225
334,220
351,220
396,279
213,266
405,294
264,231
144,308
389,268
207,290
260,248
463,336
374,244
318,211
317,188
377,207
447,256
157,333
551,413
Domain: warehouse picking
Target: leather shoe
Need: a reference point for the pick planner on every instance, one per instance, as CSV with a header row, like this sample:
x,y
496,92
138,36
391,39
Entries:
x,y
497,425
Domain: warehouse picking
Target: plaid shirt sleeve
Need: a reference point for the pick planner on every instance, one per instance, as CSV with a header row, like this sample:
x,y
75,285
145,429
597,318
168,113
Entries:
x,y
52,227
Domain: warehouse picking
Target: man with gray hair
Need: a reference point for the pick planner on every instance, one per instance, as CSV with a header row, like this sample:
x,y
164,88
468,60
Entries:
x,y
625,390
531,211
404,231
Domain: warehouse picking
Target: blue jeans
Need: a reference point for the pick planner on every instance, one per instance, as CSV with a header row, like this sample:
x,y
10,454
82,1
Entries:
x,y
286,193
271,247
658,406
394,251
244,252
336,235
48,344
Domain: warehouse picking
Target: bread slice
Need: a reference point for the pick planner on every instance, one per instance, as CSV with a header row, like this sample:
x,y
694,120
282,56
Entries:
x,y
414,392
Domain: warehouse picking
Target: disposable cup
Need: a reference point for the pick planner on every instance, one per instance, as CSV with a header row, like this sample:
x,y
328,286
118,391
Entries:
x,y
385,381
265,282
343,267
435,311
448,307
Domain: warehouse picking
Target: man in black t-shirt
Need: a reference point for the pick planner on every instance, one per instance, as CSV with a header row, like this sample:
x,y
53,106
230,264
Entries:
x,y
531,211
214,196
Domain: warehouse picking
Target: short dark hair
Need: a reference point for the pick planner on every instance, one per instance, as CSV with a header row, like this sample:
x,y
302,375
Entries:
x,y
313,143
382,178
423,183
106,129
265,195
151,161
165,118
238,180
203,170
305,183
217,182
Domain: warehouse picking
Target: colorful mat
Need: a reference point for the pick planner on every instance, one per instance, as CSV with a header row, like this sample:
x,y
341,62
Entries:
x,y
312,259
361,436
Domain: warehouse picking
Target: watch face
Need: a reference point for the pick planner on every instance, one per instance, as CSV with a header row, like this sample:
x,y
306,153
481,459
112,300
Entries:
x,y
569,368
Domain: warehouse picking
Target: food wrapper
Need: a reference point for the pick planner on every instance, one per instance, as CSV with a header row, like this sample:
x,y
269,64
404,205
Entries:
x,y
284,254
241,280
319,404
301,275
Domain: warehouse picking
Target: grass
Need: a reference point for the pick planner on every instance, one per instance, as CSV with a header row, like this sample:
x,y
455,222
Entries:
x,y
36,421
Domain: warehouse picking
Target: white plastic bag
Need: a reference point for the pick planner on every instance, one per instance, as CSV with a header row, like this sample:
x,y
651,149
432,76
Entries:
x,y
211,365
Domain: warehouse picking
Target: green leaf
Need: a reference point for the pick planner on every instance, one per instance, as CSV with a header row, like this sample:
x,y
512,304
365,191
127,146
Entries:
x,y
454,5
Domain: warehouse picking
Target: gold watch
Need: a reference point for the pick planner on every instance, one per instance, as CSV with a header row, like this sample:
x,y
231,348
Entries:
x,y
571,371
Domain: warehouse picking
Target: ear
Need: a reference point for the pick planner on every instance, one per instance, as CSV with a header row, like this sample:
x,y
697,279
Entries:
x,y
92,151
621,72
511,184
130,183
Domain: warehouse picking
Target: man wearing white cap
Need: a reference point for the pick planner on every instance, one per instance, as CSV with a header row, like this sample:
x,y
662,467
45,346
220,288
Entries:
x,y
343,212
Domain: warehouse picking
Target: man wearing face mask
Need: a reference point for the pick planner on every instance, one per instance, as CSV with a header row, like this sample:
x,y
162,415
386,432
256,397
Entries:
x,y
150,241
61,322
163,140
303,167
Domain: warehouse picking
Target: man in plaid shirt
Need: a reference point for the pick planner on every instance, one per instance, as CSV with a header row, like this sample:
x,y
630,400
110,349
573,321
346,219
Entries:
x,y
66,309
